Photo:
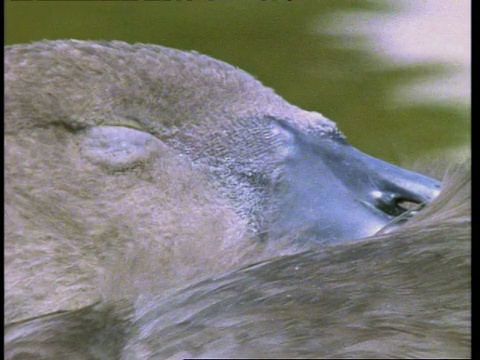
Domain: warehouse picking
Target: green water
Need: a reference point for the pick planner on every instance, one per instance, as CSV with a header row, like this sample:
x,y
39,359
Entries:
x,y
282,44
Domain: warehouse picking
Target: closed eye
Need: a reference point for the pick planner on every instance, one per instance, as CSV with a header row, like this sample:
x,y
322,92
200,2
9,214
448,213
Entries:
x,y
117,147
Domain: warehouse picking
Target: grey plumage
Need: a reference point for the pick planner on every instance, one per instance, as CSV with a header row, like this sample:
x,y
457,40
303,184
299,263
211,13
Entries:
x,y
136,175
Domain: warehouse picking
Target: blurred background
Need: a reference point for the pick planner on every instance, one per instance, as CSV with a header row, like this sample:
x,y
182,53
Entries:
x,y
393,74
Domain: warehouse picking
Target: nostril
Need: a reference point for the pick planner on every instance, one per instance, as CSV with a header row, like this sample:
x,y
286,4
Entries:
x,y
402,210
393,204
408,205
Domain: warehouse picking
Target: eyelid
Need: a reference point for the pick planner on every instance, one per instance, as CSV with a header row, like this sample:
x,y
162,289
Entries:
x,y
126,123
118,147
